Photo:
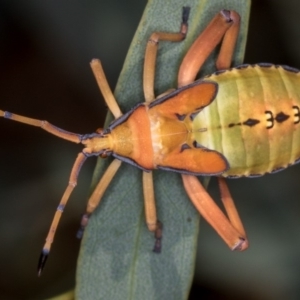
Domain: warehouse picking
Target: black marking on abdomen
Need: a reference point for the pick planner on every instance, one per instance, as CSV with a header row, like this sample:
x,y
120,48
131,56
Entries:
x,y
269,119
251,122
296,114
281,117
234,124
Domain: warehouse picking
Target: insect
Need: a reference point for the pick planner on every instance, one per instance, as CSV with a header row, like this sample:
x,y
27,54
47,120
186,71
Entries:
x,y
236,122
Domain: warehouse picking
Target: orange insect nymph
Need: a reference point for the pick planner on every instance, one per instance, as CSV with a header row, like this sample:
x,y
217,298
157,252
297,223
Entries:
x,y
161,134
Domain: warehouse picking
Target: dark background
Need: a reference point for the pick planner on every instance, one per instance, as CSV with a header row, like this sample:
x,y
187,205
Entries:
x,y
45,51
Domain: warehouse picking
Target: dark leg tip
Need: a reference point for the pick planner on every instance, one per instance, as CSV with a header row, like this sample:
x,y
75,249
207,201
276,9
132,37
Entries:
x,y
185,14
158,237
157,246
80,232
83,224
42,261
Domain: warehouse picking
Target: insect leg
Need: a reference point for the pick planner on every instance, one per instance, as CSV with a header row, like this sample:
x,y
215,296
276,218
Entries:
x,y
45,125
153,224
104,88
110,172
224,25
230,208
72,183
150,210
148,86
213,214
151,52
97,194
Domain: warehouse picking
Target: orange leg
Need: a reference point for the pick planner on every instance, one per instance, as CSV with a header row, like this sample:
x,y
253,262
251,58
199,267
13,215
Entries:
x,y
93,201
151,52
148,85
150,210
208,209
72,183
104,88
224,26
97,194
230,208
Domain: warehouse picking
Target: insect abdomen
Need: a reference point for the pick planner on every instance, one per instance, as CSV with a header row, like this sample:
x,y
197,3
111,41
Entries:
x,y
254,120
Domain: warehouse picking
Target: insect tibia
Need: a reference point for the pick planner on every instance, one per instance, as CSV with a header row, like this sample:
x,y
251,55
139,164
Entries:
x,y
42,261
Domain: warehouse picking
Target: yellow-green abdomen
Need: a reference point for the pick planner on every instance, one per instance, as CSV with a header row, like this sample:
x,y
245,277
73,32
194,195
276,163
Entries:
x,y
254,119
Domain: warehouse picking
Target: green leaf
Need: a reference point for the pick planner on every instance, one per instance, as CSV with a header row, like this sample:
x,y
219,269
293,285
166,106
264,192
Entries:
x,y
116,259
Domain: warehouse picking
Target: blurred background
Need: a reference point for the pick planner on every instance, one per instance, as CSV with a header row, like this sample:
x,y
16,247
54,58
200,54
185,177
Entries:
x,y
45,50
